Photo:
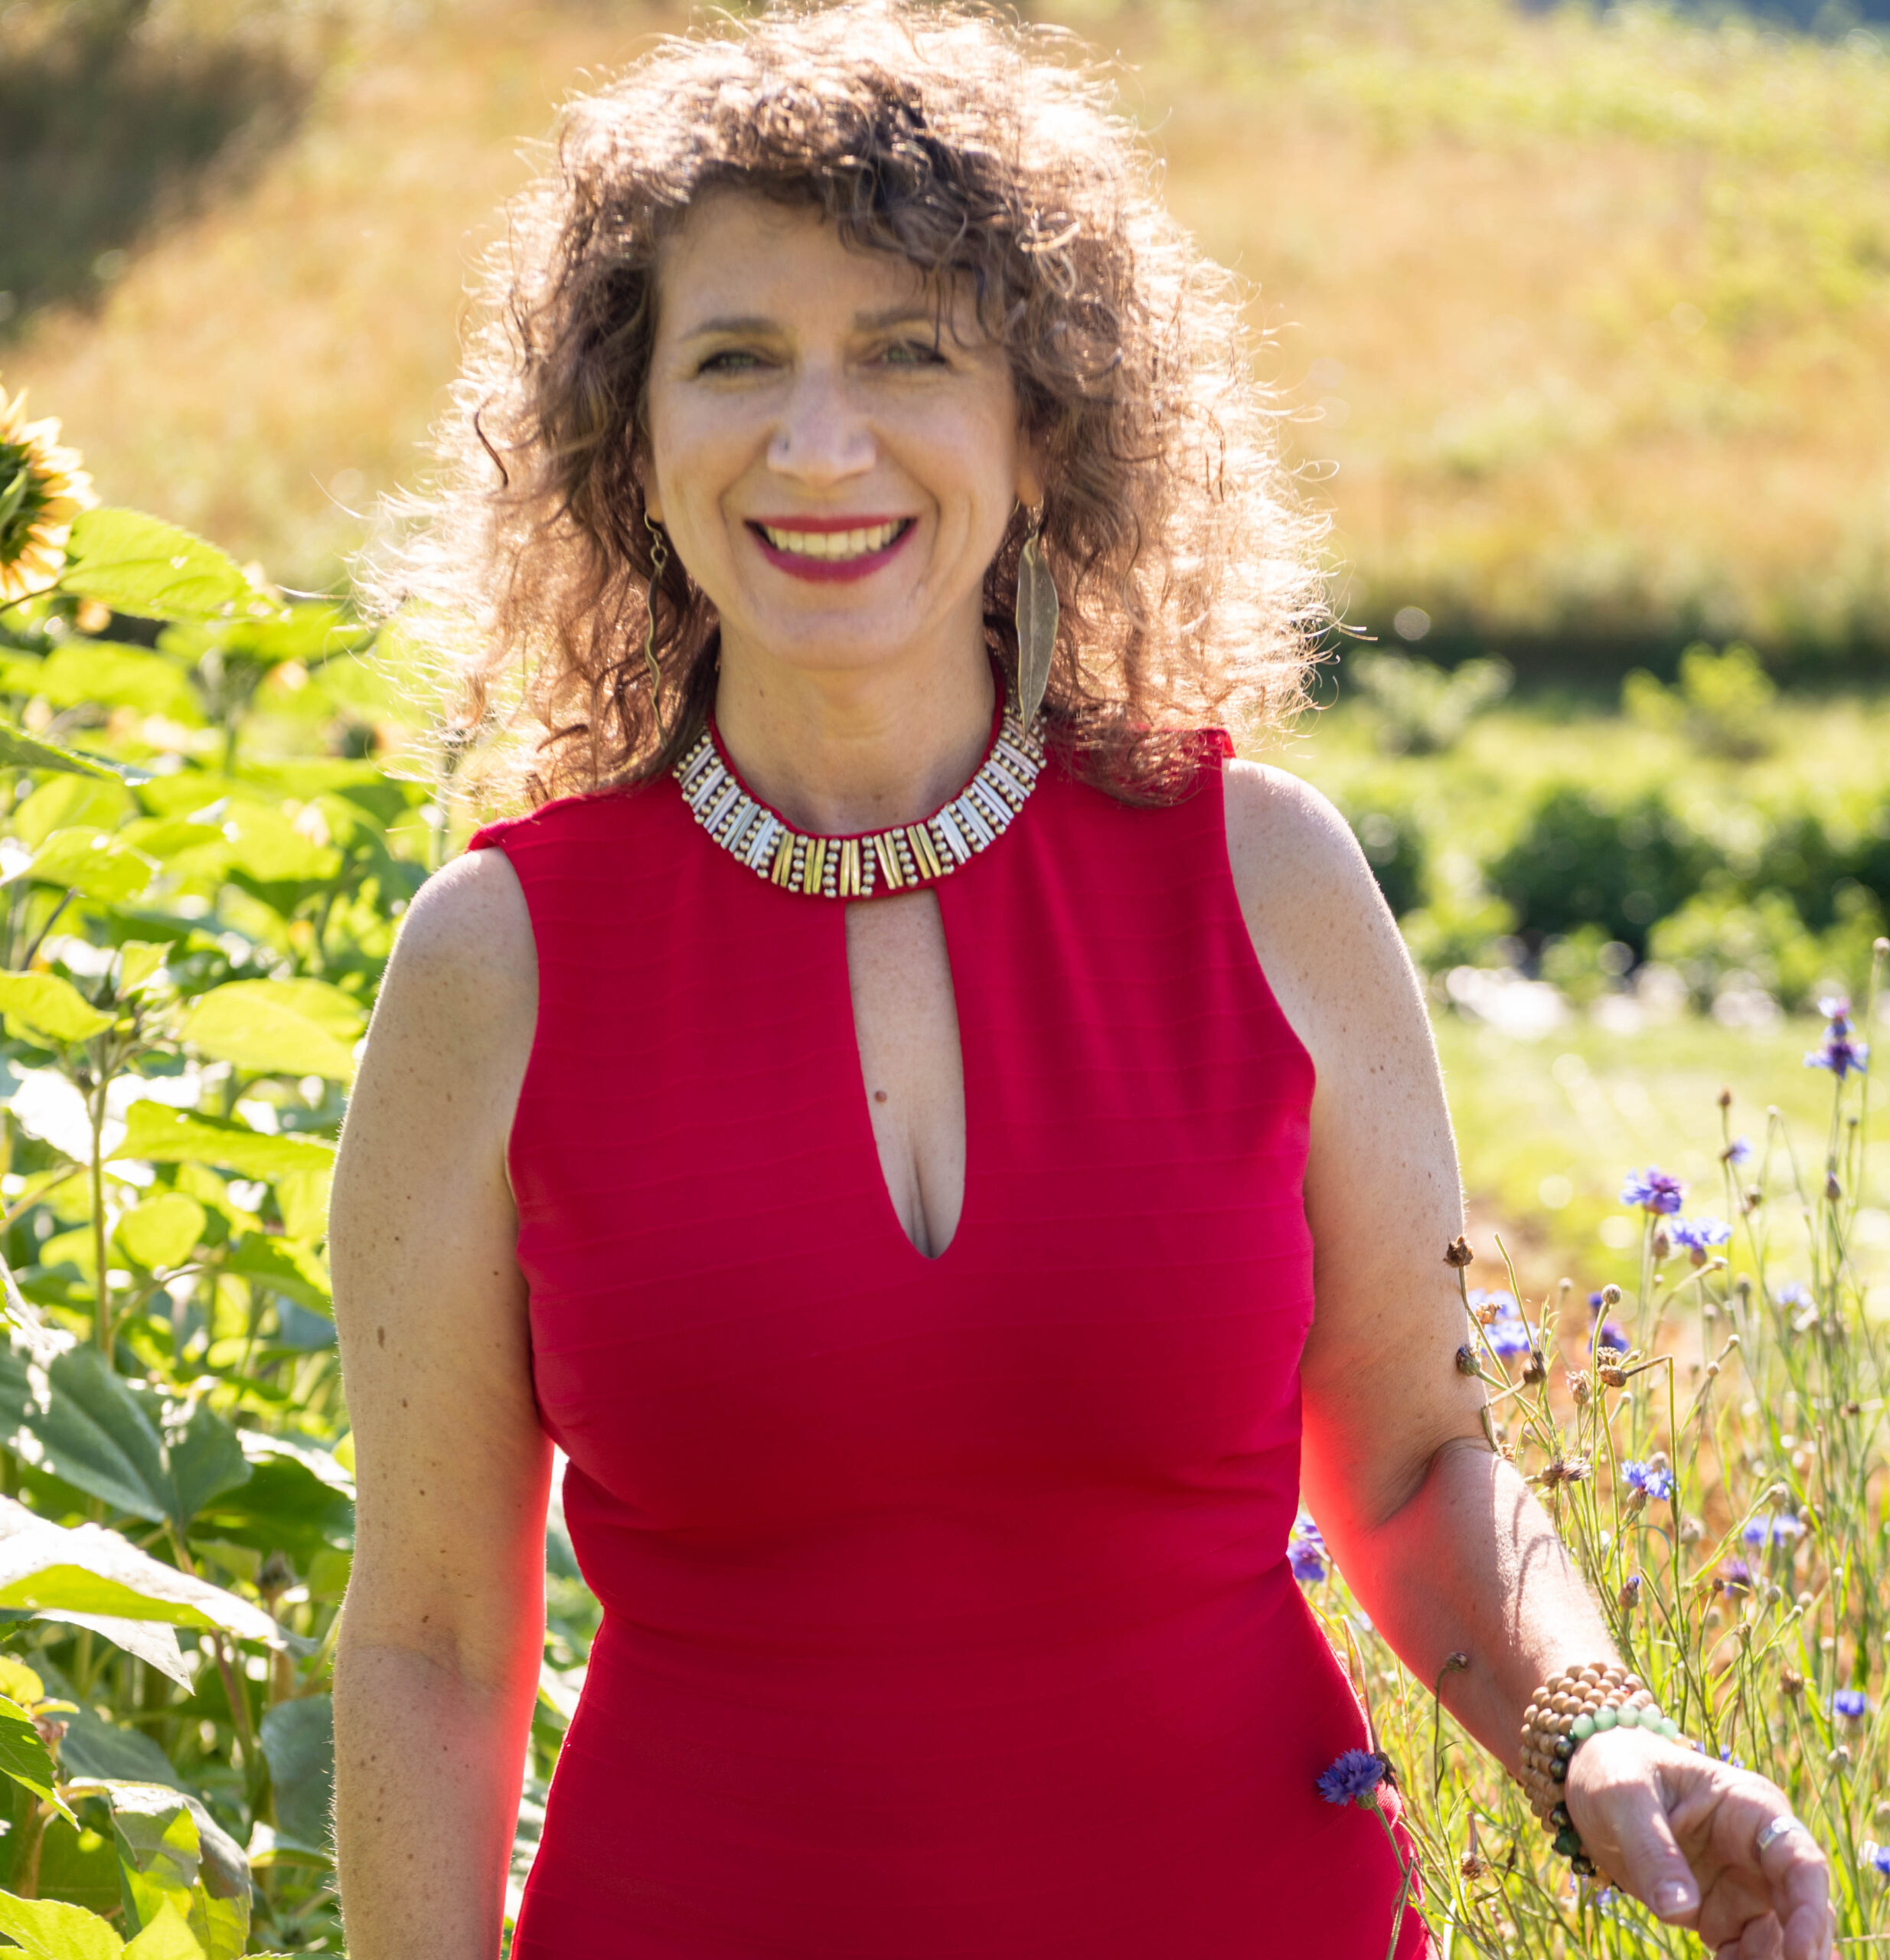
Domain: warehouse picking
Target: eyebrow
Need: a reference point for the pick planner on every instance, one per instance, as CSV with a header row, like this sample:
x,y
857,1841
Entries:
x,y
757,323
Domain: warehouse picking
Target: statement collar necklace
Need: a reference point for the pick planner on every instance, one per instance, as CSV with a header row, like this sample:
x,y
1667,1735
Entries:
x,y
900,859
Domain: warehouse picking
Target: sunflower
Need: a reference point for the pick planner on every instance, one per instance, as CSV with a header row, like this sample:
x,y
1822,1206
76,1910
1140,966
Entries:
x,y
42,489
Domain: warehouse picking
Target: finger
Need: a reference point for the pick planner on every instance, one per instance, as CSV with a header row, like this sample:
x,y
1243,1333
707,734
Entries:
x,y
1801,1882
1646,1861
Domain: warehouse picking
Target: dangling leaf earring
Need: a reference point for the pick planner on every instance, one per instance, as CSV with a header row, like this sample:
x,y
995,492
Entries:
x,y
659,564
1037,621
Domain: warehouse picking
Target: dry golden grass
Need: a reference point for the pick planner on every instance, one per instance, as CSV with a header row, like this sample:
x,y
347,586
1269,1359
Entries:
x,y
1597,312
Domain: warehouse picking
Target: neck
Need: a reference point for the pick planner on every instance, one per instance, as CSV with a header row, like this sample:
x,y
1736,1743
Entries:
x,y
839,752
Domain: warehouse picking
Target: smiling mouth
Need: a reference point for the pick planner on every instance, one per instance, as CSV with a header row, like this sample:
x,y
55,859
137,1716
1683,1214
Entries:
x,y
828,545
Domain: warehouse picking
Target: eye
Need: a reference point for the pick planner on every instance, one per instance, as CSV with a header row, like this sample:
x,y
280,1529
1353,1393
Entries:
x,y
913,353
730,361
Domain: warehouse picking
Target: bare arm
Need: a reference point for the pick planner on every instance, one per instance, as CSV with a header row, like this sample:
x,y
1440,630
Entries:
x,y
1439,1536
437,1663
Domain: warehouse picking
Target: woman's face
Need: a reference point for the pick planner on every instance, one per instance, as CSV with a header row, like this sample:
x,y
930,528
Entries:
x,y
834,457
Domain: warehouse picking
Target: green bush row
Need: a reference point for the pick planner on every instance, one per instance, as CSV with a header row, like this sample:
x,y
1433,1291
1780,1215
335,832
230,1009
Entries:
x,y
1789,895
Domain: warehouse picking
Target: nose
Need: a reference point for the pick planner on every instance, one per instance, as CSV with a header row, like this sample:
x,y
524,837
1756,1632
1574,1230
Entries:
x,y
821,439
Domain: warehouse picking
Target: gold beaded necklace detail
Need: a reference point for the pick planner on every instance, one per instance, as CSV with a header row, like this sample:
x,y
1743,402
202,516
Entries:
x,y
903,857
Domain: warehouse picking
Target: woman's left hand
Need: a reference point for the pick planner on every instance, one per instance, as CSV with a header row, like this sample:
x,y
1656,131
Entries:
x,y
1681,1832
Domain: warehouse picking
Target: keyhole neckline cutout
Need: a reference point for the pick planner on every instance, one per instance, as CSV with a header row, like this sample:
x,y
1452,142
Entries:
x,y
865,864
911,1089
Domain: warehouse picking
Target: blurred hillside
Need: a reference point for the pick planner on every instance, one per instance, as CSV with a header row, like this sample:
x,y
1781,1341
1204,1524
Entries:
x,y
1584,316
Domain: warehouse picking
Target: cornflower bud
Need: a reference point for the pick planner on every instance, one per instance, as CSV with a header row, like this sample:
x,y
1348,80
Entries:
x,y
1610,1295
1457,1252
1630,1593
1790,1682
1580,1387
1471,1866
1726,1098
1466,1360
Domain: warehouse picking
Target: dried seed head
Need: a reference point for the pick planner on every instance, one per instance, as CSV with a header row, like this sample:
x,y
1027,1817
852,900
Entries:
x,y
1580,1387
1790,1681
1457,1252
1471,1866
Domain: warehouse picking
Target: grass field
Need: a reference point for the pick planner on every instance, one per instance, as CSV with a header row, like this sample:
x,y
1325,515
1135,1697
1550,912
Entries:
x,y
1584,321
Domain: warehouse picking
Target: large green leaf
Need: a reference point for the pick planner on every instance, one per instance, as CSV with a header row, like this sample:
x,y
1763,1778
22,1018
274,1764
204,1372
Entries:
x,y
285,1266
95,1434
22,751
92,671
295,1027
168,1937
46,1004
205,1459
136,564
163,1231
267,845
92,862
94,1431
299,1740
48,1929
72,803
171,1853
89,1570
298,1501
157,1134
23,1755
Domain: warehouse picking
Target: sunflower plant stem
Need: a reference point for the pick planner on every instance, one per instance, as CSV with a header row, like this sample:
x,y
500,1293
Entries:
x,y
101,1318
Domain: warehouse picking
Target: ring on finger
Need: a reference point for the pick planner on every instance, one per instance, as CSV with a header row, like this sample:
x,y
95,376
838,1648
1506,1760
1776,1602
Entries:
x,y
1770,1833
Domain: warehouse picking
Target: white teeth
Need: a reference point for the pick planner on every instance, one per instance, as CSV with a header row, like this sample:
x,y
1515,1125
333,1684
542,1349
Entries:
x,y
832,545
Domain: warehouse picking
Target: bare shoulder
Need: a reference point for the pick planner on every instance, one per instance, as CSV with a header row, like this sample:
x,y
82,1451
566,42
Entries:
x,y
1328,943
451,1035
465,945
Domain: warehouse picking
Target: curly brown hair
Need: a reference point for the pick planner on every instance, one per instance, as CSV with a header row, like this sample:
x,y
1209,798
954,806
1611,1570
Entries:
x,y
976,150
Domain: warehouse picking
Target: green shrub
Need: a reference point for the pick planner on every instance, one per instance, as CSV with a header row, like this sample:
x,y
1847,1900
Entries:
x,y
1394,844
1582,859
1718,934
1723,702
1423,709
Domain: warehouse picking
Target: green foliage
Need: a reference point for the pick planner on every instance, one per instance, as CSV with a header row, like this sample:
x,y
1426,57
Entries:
x,y
1585,858
1724,702
1422,709
190,937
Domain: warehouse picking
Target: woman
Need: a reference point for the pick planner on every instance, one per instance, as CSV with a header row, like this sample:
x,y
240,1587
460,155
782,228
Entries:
x,y
921,1154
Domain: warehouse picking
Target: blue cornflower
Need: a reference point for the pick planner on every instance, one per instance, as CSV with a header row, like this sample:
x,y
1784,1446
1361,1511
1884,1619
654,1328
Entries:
x,y
1878,1855
1306,1551
1649,1478
1352,1777
1779,1529
1795,1293
1727,1756
1849,1704
1507,1332
1696,1235
1610,1334
1842,1051
1737,1151
1736,1575
1653,1191
1595,1303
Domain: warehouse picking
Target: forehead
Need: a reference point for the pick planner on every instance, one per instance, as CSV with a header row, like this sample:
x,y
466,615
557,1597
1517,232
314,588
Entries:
x,y
738,254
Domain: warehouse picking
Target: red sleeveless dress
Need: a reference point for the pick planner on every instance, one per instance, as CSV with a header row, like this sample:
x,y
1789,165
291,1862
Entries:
x,y
946,1609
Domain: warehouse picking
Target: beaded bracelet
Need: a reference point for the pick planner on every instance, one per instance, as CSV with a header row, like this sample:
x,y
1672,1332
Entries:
x,y
1562,1714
